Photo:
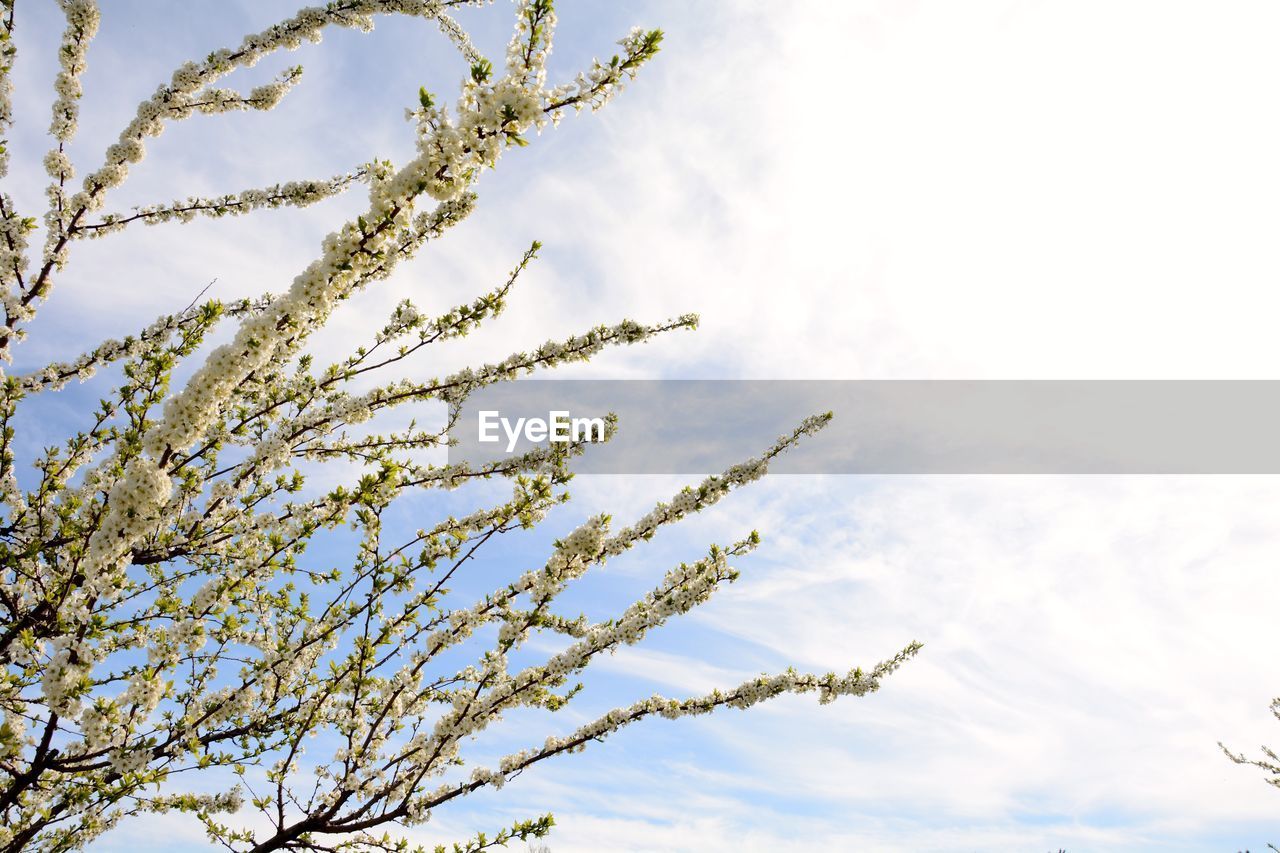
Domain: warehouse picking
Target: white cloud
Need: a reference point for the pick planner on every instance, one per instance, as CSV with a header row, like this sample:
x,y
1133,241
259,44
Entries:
x,y
1087,642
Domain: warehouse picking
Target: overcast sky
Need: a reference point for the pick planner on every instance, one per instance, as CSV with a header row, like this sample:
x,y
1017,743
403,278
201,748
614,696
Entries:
x,y
854,190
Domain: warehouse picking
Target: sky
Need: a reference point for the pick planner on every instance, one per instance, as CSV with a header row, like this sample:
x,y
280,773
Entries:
x,y
869,189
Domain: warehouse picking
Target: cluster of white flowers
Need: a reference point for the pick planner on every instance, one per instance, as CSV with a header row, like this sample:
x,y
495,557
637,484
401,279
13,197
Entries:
x,y
288,194
751,692
14,234
214,100
55,376
14,227
99,726
13,730
133,509
455,323
65,674
7,51
457,387
461,38
229,801
146,689
82,23
595,87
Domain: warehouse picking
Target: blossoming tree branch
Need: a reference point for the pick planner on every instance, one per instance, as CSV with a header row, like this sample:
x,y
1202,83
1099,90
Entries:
x,y
160,620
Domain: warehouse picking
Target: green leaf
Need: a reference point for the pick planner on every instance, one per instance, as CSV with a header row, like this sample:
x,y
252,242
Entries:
x,y
482,71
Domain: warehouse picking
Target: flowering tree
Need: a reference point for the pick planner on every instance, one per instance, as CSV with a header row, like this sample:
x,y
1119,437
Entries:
x,y
159,615
1269,763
